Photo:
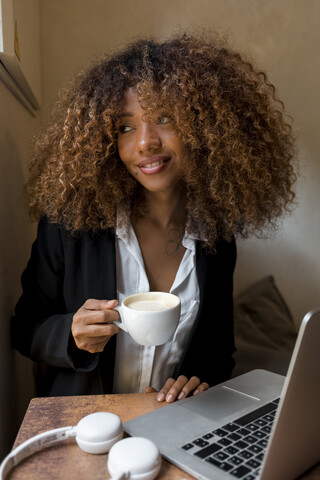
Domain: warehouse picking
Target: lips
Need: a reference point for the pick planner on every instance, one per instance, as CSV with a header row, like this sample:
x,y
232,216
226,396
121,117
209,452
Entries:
x,y
153,164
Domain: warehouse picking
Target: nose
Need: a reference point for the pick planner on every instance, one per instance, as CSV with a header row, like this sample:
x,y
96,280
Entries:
x,y
148,138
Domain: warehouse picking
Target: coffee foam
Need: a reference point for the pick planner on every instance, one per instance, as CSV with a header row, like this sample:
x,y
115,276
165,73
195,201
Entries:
x,y
148,305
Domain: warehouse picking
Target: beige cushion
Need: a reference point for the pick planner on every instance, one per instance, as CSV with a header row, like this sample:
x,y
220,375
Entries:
x,y
265,333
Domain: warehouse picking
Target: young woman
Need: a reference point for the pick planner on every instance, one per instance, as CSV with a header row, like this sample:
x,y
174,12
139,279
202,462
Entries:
x,y
157,157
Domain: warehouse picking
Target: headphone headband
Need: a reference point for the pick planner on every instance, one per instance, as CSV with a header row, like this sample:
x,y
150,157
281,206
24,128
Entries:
x,y
96,433
30,446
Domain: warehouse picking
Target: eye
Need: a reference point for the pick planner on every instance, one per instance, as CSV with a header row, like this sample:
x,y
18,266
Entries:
x,y
163,119
124,128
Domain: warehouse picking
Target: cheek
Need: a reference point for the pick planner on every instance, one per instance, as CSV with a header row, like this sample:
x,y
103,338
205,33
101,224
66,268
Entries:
x,y
121,151
176,145
181,155
124,154
131,168
126,159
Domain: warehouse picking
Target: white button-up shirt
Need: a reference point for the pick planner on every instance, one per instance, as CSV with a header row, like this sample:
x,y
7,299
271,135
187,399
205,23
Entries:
x,y
138,366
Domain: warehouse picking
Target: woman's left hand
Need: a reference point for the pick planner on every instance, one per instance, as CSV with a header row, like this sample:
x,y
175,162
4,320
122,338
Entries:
x,y
179,389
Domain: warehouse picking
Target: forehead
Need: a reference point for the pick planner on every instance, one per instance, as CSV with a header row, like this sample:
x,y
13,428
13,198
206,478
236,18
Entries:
x,y
130,101
149,104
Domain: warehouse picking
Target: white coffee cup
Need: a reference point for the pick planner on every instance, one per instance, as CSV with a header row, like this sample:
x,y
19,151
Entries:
x,y
150,318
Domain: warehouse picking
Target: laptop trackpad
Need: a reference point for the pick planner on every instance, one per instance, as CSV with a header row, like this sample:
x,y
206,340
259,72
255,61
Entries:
x,y
219,403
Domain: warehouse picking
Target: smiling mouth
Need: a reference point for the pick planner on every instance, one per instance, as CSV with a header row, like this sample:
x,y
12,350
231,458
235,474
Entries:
x,y
153,165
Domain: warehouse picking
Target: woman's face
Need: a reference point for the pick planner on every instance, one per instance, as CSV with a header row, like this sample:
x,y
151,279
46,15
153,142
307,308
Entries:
x,y
151,150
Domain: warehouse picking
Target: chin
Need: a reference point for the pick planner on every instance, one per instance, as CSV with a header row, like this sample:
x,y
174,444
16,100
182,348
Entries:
x,y
159,188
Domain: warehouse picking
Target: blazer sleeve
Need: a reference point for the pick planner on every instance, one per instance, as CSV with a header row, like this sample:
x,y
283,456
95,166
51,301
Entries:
x,y
41,325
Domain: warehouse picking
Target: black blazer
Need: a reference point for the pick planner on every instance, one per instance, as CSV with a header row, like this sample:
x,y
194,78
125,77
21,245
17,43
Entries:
x,y
64,271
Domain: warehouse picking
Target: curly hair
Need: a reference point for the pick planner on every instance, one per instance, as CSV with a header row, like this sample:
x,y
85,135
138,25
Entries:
x,y
239,174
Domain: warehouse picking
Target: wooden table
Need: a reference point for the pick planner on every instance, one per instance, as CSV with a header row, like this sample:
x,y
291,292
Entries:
x,y
65,459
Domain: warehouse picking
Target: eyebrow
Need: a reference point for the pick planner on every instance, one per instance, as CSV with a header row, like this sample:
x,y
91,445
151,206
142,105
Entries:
x,y
125,114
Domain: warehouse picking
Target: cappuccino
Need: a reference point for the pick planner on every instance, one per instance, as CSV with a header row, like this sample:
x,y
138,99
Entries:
x,y
149,317
148,305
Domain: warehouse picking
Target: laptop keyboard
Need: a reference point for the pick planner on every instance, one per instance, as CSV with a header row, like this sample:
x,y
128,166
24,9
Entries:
x,y
237,448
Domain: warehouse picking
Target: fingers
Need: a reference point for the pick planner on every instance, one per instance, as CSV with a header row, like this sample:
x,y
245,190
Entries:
x,y
94,304
96,347
181,388
99,311
92,325
94,331
150,390
202,387
164,392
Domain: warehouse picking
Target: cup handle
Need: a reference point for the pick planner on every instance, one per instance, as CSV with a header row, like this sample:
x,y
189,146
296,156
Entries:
x,y
120,322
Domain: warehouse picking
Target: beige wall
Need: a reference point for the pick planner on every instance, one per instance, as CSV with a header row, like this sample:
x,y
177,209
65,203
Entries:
x,y
283,37
17,127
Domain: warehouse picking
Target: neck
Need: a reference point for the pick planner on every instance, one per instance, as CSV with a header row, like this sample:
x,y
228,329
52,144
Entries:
x,y
166,208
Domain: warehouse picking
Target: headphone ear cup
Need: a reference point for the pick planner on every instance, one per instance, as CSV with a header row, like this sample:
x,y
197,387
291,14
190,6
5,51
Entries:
x,y
135,455
96,433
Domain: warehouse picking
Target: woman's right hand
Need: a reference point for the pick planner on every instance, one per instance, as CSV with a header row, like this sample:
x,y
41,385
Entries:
x,y
92,325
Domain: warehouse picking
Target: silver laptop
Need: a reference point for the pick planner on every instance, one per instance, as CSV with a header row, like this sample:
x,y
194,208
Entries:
x,y
258,425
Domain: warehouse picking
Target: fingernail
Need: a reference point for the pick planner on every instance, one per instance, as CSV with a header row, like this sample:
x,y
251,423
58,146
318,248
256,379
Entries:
x,y
181,396
110,302
161,397
169,398
195,392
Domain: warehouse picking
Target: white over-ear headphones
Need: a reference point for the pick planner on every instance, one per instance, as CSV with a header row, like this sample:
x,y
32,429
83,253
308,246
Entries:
x,y
132,458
